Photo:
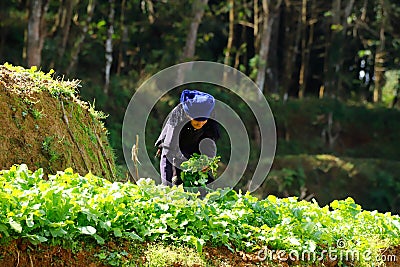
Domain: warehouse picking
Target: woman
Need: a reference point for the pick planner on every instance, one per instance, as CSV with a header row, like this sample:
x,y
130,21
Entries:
x,y
188,130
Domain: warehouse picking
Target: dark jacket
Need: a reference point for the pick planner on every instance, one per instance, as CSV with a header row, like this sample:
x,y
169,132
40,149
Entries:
x,y
179,140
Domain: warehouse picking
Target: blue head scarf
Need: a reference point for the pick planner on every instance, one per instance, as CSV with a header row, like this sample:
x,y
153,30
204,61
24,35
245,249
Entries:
x,y
198,105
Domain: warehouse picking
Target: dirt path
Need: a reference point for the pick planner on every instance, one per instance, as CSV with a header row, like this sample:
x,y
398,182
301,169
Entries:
x,y
20,253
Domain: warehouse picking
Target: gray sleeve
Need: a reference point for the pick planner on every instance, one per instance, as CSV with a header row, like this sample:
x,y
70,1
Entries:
x,y
169,137
161,138
168,140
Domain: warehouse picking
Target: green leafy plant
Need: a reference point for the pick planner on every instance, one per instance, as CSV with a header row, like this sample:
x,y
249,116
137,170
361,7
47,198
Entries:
x,y
36,113
48,149
35,81
113,258
195,171
68,207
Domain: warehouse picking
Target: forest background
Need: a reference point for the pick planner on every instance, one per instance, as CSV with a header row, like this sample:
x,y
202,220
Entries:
x,y
330,70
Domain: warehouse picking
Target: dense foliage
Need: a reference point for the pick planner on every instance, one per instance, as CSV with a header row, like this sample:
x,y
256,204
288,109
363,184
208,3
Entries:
x,y
71,207
195,171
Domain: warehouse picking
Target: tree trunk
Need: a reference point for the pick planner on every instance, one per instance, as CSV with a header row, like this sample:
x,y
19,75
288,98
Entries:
x,y
198,12
335,53
149,11
242,48
324,89
198,8
231,31
303,67
109,47
34,49
335,45
272,81
379,67
342,38
81,38
66,10
306,46
228,50
256,25
263,53
124,34
268,19
59,19
291,44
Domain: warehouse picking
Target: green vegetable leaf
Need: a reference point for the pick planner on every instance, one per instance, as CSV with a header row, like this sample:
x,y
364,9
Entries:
x,y
15,225
87,230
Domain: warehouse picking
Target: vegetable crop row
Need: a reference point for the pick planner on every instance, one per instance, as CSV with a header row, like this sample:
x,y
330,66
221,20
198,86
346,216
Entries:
x,y
68,206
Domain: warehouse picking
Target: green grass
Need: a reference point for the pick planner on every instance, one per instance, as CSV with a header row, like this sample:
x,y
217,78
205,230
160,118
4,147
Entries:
x,y
49,150
34,80
162,255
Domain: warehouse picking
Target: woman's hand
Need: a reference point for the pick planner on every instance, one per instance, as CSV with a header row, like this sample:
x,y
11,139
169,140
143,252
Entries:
x,y
158,153
205,169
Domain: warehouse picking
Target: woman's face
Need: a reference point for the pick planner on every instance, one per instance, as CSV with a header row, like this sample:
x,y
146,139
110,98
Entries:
x,y
198,124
